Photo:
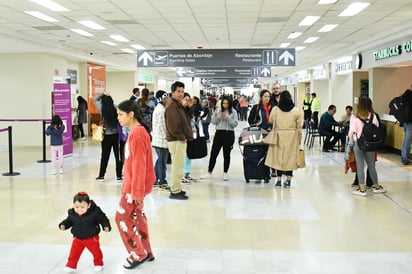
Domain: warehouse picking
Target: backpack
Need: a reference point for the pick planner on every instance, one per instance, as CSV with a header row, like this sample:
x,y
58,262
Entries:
x,y
372,137
400,109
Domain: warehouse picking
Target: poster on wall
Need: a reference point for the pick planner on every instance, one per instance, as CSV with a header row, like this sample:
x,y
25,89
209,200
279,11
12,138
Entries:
x,y
61,105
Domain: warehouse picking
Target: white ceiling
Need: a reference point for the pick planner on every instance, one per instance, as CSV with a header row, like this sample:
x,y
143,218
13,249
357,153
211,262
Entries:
x,y
211,24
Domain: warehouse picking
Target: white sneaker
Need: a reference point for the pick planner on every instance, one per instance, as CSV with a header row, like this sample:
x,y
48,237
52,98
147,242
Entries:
x,y
69,269
359,192
225,177
378,190
61,171
98,268
206,176
54,172
186,181
82,139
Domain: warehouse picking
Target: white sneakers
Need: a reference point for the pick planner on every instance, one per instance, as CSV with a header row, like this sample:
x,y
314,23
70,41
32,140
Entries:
x,y
97,268
61,171
225,177
206,176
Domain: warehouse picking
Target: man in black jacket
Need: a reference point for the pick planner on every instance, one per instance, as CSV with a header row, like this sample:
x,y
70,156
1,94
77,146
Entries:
x,y
407,127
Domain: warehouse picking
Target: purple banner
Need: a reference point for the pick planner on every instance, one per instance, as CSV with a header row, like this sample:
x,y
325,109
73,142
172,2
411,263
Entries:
x,y
62,106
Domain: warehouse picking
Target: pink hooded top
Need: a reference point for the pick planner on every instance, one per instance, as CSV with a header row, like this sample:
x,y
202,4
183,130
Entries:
x,y
356,126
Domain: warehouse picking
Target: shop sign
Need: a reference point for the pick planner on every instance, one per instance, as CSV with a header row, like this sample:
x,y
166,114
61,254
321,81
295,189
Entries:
x,y
393,51
343,68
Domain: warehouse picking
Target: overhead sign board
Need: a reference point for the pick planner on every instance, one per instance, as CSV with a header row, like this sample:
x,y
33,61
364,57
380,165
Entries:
x,y
228,82
216,58
224,72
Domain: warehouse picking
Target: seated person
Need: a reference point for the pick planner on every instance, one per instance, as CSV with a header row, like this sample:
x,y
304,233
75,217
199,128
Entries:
x,y
326,124
345,120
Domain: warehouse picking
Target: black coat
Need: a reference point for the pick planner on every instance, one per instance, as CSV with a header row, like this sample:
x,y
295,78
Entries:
x,y
87,225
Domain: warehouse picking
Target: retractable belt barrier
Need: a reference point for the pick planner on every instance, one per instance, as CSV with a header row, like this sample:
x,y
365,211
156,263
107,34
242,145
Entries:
x,y
10,173
44,133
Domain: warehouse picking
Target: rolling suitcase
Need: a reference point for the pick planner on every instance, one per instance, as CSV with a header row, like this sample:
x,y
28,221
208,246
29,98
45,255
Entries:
x,y
254,163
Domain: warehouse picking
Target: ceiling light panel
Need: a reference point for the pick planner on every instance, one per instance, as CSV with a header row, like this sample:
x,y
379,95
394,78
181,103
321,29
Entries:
x,y
50,5
309,20
328,27
354,9
128,50
41,16
299,48
119,38
327,2
109,43
284,45
92,25
82,32
310,40
294,35
137,46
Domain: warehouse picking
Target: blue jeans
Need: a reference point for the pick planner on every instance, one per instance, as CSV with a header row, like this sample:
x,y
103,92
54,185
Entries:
x,y
161,164
406,145
188,165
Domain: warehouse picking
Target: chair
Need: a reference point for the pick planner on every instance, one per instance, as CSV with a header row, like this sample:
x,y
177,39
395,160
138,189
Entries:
x,y
307,133
314,133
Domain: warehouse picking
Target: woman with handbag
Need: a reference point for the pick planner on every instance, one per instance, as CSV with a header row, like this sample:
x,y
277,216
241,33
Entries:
x,y
283,156
259,114
104,103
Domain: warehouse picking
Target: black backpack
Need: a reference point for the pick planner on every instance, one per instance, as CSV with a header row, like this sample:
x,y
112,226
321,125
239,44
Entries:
x,y
372,137
400,109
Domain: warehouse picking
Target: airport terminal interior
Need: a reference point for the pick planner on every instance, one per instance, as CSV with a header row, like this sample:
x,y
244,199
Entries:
x,y
317,226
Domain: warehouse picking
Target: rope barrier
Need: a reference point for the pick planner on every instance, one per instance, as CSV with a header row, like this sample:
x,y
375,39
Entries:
x,y
44,133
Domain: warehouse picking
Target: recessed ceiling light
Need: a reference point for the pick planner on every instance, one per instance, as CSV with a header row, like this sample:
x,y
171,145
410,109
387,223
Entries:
x,y
41,16
108,43
299,48
294,35
284,45
325,2
50,5
128,50
91,24
82,32
137,46
119,38
354,8
327,28
311,40
309,20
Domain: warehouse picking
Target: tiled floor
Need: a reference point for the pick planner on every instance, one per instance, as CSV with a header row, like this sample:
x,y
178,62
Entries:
x,y
227,227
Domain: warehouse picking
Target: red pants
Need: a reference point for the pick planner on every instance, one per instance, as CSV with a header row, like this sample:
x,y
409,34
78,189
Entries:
x,y
133,229
78,245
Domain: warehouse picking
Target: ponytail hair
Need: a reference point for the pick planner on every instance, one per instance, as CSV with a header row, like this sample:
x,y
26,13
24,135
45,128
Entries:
x,y
129,106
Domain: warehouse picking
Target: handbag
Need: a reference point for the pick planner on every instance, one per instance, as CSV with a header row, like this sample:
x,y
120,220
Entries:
x,y
271,138
97,132
196,148
302,162
251,136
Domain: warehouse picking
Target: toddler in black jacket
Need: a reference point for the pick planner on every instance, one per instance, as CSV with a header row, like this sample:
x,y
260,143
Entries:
x,y
84,220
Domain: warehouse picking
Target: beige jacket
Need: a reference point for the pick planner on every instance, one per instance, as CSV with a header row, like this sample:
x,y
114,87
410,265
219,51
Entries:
x,y
288,125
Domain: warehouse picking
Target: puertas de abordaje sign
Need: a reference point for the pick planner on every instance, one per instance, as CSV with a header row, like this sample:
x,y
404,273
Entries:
x,y
216,57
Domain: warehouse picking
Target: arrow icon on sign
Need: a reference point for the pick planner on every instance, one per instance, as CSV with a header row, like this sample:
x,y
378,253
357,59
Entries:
x,y
286,56
265,72
180,72
145,57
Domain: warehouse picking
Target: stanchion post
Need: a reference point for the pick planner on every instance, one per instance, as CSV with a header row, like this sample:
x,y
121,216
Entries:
x,y
44,145
10,173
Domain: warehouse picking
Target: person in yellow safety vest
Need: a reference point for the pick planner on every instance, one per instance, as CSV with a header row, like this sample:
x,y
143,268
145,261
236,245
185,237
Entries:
x,y
315,107
307,112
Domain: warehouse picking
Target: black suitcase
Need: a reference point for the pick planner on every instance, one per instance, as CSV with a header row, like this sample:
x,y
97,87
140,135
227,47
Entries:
x,y
254,163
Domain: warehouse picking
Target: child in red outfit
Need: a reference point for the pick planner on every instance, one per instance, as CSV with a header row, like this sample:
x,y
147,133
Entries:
x,y
84,219
139,177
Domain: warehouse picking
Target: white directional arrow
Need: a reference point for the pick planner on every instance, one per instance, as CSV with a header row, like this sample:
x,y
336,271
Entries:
x,y
286,56
145,57
180,72
265,72
254,81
